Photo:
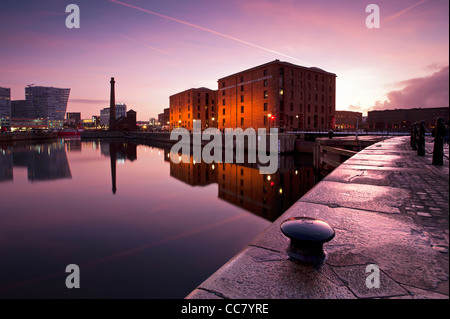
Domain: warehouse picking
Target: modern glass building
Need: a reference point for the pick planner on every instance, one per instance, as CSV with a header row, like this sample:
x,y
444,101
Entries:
x,y
121,111
46,102
5,106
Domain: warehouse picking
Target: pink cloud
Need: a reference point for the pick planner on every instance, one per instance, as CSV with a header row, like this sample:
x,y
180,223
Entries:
x,y
423,92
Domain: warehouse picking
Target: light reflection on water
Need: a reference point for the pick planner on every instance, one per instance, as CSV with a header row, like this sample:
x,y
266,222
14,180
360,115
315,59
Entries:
x,y
137,225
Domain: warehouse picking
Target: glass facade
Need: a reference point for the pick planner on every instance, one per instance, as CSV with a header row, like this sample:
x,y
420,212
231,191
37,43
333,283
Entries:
x,y
46,102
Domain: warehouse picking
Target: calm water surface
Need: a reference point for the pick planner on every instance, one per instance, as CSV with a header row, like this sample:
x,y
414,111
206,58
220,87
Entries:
x,y
137,225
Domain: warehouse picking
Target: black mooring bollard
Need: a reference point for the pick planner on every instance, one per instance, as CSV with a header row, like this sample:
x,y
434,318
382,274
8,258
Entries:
x,y
307,237
438,149
330,134
416,135
421,140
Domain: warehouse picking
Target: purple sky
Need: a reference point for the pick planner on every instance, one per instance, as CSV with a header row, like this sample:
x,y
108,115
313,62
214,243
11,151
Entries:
x,y
157,48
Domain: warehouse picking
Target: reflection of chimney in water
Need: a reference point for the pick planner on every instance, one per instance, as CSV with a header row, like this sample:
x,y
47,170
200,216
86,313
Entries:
x,y
113,156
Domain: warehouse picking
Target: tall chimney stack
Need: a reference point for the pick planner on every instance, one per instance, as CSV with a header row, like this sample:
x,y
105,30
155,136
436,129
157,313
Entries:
x,y
112,107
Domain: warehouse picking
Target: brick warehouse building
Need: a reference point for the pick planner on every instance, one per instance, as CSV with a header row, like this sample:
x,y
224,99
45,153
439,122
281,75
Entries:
x,y
191,105
348,119
277,94
403,118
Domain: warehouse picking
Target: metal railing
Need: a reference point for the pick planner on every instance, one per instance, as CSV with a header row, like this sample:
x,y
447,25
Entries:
x,y
441,138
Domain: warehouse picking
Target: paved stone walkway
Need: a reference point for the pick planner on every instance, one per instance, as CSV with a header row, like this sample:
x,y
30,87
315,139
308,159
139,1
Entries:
x,y
388,206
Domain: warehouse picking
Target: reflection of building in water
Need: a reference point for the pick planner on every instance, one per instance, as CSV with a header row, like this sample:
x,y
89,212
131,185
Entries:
x,y
43,161
123,150
194,174
6,165
242,184
118,150
73,145
265,195
48,162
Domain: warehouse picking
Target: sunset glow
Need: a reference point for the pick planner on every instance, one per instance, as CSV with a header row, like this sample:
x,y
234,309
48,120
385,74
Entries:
x,y
157,48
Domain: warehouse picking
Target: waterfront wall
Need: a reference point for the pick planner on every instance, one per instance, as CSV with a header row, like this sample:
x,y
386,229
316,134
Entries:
x,y
21,136
383,217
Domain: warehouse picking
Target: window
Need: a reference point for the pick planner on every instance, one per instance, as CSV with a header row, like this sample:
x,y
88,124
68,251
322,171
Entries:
x,y
323,109
242,172
223,102
315,77
292,94
189,107
265,106
198,115
292,83
223,84
223,111
198,107
265,120
242,121
266,95
223,92
223,122
242,98
265,82
281,71
309,108
242,88
265,72
309,120
291,107
292,72
242,79
315,108
242,109
189,115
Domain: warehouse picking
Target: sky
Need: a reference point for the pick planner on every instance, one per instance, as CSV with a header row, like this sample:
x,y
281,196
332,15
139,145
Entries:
x,y
155,49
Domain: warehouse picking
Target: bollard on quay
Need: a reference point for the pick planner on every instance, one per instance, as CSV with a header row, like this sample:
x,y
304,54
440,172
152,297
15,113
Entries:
x,y
438,148
421,140
307,237
415,136
330,134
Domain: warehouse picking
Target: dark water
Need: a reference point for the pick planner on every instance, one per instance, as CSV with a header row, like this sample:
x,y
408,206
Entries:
x,y
137,225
